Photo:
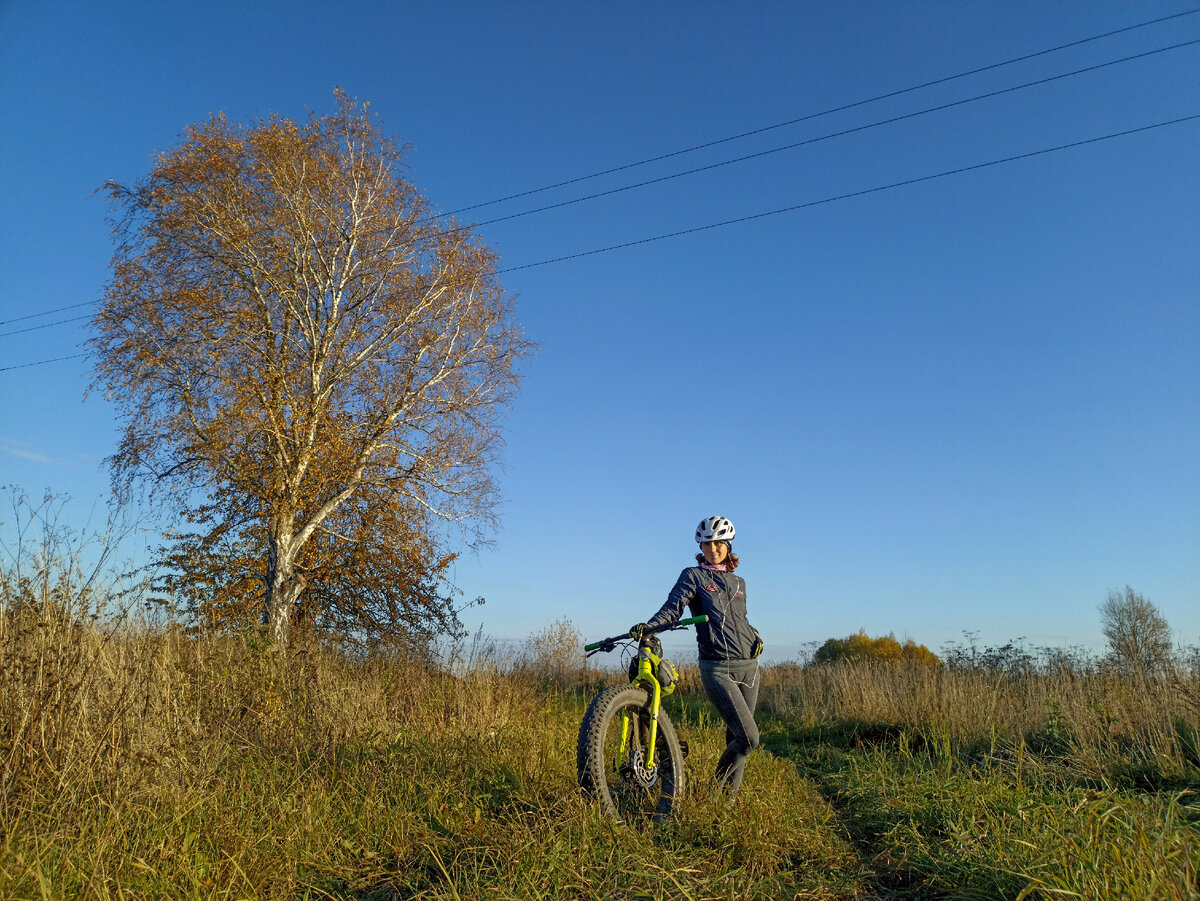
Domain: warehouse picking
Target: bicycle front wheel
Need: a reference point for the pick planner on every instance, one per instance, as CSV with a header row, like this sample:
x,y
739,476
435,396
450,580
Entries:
x,y
611,756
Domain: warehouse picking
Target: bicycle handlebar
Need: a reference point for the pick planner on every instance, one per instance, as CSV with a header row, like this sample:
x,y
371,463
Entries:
x,y
608,644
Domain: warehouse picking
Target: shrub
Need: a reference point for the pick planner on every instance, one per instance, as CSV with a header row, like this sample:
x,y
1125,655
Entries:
x,y
861,646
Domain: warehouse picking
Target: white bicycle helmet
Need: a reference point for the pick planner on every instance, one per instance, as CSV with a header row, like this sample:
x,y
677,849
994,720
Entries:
x,y
714,528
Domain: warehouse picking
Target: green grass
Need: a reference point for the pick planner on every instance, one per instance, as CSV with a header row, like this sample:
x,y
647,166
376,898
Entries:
x,y
147,765
931,824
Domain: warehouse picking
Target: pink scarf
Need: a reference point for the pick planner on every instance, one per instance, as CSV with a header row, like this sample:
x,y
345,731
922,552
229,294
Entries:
x,y
718,567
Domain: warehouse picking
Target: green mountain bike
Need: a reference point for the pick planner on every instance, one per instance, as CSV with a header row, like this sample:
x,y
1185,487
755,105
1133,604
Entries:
x,y
628,756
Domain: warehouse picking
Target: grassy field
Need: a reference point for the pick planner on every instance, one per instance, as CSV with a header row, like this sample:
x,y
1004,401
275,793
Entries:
x,y
146,763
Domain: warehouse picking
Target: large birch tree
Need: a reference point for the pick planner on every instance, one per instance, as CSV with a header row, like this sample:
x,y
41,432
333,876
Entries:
x,y
309,363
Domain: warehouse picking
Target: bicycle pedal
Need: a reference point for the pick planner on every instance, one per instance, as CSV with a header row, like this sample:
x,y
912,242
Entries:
x,y
683,746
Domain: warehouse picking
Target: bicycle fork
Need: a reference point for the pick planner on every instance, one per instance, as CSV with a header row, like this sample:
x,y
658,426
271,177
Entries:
x,y
645,674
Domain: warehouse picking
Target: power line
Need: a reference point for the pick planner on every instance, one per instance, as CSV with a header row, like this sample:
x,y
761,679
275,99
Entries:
x,y
787,209
42,362
865,191
836,134
46,312
34,328
828,112
757,131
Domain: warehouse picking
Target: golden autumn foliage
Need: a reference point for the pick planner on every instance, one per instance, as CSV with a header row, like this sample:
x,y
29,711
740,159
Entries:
x,y
861,646
309,364
380,576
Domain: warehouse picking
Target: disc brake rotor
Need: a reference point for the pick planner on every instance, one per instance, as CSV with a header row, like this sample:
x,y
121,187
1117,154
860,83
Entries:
x,y
636,772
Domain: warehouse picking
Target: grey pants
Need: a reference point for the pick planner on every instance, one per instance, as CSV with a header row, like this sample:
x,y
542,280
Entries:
x,y
732,686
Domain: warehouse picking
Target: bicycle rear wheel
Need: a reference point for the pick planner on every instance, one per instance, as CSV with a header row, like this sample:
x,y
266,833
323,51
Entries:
x,y
611,756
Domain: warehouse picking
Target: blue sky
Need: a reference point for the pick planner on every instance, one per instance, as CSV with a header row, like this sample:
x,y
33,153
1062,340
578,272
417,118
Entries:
x,y
970,403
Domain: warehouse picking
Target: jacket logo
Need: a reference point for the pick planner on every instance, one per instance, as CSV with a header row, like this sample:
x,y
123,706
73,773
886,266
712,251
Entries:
x,y
710,587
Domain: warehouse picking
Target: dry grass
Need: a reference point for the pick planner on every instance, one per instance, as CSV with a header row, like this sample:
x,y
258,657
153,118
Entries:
x,y
145,762
1096,724
152,763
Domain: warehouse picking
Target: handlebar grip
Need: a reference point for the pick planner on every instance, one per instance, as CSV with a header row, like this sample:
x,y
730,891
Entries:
x,y
702,618
605,643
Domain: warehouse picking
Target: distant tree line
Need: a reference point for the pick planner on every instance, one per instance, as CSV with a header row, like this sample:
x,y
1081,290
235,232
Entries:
x,y
1138,637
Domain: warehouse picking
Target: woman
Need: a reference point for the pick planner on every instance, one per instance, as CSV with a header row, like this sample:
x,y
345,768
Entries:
x,y
729,646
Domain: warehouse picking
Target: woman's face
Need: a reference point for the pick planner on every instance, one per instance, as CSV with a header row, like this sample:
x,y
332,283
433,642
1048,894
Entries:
x,y
714,551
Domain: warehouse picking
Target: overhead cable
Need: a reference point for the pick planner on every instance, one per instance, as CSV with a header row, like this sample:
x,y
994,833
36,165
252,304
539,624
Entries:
x,y
34,328
746,134
42,362
847,196
787,209
826,137
72,306
828,112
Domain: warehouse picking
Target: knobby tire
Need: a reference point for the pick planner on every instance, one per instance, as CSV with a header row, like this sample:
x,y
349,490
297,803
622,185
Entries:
x,y
622,795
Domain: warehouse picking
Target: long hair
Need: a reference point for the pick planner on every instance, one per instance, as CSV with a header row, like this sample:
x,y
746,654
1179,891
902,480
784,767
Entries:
x,y
730,561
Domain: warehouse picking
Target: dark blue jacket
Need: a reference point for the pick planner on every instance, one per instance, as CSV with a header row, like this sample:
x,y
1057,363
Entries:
x,y
728,634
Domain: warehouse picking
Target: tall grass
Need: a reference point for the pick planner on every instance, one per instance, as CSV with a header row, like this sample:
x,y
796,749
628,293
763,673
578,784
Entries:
x,y
138,760
1097,726
145,762
969,783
